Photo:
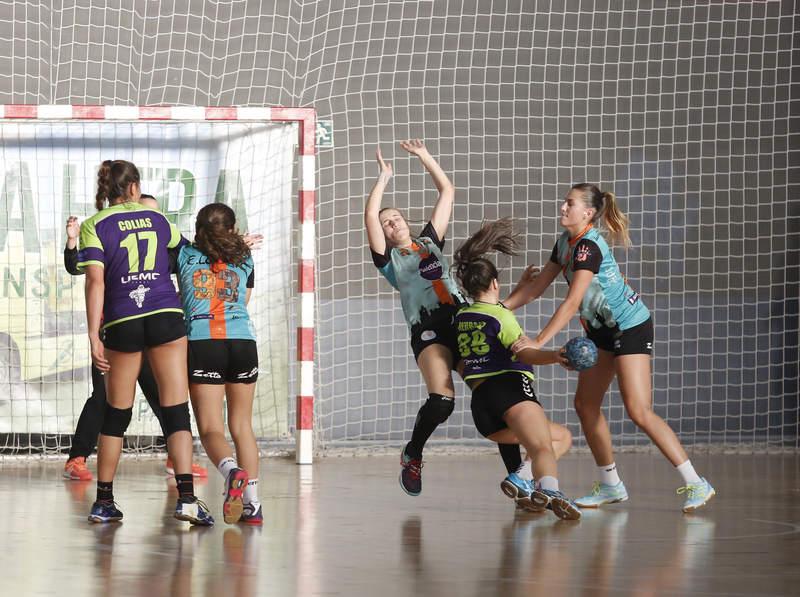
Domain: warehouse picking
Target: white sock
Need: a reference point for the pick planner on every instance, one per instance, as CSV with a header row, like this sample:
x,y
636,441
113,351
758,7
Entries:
x,y
608,474
688,473
251,493
525,471
549,483
225,466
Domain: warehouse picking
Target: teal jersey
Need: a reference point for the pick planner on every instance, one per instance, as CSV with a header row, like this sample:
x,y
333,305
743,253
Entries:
x,y
485,335
609,301
131,243
422,275
213,296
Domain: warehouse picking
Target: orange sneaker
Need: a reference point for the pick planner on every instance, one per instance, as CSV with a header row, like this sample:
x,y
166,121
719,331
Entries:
x,y
197,470
75,469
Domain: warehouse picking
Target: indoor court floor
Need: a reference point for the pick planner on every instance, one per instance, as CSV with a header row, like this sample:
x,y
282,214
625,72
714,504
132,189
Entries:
x,y
344,527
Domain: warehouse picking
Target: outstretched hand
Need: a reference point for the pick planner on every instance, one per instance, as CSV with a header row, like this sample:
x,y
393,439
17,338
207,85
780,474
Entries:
x,y
385,167
529,275
73,228
253,241
414,146
523,343
563,360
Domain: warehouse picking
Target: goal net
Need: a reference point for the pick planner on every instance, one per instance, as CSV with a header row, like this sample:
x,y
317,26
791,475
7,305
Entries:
x,y
683,109
48,171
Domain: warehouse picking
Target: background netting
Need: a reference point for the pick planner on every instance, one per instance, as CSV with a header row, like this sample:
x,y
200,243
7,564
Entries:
x,y
683,109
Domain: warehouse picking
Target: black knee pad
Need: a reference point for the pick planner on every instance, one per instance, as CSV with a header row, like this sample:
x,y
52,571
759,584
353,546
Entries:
x,y
437,408
116,421
176,418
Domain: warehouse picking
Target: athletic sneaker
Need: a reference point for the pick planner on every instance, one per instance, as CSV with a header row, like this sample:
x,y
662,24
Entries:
x,y
193,511
697,495
411,475
197,470
519,490
75,469
556,501
603,494
232,507
105,512
251,517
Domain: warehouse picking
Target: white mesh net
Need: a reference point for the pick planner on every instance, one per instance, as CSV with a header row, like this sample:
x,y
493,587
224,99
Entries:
x,y
681,108
49,171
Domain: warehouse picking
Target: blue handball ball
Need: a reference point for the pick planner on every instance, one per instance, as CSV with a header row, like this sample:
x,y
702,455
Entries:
x,y
581,353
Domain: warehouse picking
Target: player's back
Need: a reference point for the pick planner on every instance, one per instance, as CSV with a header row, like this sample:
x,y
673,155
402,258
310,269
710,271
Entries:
x,y
132,244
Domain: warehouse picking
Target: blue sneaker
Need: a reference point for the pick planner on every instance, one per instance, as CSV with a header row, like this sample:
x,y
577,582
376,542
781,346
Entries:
x,y
603,494
411,474
233,506
556,501
105,512
193,511
251,515
697,495
519,490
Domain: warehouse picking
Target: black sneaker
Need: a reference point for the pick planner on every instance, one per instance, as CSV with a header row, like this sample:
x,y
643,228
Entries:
x,y
411,474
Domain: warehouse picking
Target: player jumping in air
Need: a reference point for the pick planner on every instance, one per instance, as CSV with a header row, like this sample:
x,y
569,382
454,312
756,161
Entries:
x,y
417,268
617,321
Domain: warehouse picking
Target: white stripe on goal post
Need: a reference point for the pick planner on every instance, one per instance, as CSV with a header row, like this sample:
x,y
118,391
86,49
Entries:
x,y
306,119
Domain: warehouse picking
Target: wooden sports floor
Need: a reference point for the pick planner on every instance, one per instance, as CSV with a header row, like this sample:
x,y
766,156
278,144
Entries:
x,y
344,527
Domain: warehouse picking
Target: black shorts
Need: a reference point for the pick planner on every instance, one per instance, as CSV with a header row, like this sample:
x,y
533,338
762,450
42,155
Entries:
x,y
494,396
438,330
134,335
217,362
635,340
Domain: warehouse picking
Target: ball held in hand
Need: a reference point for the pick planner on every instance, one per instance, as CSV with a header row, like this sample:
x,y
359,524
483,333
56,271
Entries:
x,y
581,353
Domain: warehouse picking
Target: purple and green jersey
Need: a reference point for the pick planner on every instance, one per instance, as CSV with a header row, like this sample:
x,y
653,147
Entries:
x,y
485,333
131,243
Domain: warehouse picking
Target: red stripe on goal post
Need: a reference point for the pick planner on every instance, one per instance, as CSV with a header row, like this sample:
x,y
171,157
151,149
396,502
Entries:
x,y
21,111
305,412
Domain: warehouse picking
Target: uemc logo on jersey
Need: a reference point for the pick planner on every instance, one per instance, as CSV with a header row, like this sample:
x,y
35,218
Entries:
x,y
430,267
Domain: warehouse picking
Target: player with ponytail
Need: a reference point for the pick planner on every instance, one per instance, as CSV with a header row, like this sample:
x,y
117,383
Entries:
x,y
504,405
617,321
124,251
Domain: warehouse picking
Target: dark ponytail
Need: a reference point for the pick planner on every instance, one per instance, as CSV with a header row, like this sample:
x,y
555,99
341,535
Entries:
x,y
473,270
113,179
607,211
216,235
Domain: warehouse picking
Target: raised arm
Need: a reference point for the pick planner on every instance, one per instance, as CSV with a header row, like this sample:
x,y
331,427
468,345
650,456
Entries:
x,y
443,210
375,236
71,248
531,285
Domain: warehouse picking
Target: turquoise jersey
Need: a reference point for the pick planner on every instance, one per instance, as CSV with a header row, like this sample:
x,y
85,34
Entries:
x,y
485,335
213,297
422,275
609,301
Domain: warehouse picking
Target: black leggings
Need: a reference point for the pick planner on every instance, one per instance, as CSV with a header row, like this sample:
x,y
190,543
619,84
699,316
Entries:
x,y
91,419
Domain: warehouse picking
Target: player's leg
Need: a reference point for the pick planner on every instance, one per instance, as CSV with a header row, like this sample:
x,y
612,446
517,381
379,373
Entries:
x,y
147,382
86,431
240,423
165,337
529,423
560,435
120,383
435,362
592,386
633,377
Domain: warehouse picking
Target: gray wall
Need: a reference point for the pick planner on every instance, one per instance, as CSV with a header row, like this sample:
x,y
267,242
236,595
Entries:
x,y
683,109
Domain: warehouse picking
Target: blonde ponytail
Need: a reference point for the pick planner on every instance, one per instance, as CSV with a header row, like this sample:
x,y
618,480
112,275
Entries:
x,y
615,221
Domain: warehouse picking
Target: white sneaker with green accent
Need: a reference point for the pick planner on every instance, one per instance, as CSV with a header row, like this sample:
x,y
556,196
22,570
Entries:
x,y
603,494
697,495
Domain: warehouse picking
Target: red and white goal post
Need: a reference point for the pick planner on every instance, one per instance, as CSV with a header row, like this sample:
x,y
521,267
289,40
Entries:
x,y
80,138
